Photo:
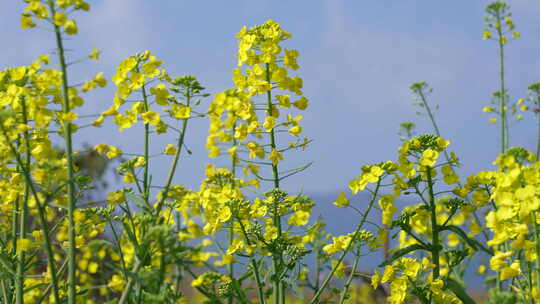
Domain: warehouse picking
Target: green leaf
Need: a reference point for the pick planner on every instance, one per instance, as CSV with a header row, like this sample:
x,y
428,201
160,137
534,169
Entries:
x,y
458,290
7,265
137,200
403,251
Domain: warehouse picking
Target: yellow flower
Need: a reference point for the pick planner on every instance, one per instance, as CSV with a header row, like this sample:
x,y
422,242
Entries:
x,y
101,148
269,123
170,149
284,100
510,271
27,22
24,245
429,157
60,19
295,130
301,103
339,243
116,283
151,117
71,27
299,218
69,116
275,157
113,152
481,269
94,54
129,178
181,111
161,94
93,267
226,260
387,205
342,200
375,279
116,197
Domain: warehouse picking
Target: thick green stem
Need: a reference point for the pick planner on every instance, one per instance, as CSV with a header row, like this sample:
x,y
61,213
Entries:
x,y
317,295
146,186
72,267
4,291
434,228
279,292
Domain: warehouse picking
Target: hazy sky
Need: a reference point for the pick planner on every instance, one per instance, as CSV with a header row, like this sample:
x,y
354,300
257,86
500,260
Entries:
x,y
358,59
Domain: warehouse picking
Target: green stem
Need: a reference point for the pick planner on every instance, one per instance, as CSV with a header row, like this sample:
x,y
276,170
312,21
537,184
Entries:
x,y
129,285
446,156
231,228
353,240
172,170
351,276
432,119
279,296
15,231
530,280
41,212
117,241
61,271
4,291
537,247
434,227
23,212
260,290
72,267
146,186
504,120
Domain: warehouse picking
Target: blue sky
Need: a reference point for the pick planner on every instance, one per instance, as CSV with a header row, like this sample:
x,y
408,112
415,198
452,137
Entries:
x,y
358,59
